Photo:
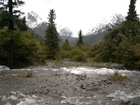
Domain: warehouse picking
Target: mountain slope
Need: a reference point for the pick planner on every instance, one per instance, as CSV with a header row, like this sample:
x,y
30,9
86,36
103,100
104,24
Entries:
x,y
40,29
94,38
36,24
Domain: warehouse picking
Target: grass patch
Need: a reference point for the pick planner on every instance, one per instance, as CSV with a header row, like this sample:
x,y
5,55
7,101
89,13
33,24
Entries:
x,y
118,78
25,74
81,77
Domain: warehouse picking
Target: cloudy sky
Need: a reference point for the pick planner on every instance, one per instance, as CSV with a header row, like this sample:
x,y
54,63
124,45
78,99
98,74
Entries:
x,y
79,14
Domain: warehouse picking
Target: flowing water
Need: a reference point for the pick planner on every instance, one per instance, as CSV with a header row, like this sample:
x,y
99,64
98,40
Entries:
x,y
68,86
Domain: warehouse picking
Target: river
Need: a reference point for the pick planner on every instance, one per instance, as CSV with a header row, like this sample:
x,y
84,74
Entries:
x,y
68,86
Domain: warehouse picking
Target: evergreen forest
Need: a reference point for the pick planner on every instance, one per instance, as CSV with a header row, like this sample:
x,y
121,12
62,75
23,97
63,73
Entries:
x,y
19,46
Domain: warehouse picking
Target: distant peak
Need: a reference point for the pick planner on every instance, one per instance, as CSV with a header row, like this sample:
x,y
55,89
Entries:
x,y
34,15
33,19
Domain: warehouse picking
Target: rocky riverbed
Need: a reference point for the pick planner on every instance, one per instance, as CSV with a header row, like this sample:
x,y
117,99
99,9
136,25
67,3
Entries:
x,y
68,86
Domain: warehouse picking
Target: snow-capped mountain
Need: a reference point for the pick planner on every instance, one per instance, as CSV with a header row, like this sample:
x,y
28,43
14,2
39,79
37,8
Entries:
x,y
101,27
98,29
39,27
33,19
65,32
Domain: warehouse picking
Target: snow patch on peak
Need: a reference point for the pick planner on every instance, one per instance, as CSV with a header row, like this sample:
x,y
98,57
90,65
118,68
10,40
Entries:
x,y
33,19
98,29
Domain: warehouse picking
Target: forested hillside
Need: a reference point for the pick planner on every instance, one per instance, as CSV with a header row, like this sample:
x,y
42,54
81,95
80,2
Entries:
x,y
121,44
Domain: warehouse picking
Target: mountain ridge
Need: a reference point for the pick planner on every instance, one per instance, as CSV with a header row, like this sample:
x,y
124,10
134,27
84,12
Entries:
x,y
92,37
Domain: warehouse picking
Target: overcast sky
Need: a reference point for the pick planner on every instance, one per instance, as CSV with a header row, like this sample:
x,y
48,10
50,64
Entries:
x,y
79,14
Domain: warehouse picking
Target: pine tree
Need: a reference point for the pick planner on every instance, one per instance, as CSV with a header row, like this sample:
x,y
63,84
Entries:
x,y
10,15
21,24
7,8
66,45
52,40
80,40
132,14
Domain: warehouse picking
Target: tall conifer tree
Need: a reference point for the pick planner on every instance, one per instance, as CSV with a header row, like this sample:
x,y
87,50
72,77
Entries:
x,y
52,39
10,15
80,40
132,14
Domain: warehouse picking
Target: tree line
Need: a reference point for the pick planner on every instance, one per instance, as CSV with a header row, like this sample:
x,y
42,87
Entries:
x,y
20,47
122,43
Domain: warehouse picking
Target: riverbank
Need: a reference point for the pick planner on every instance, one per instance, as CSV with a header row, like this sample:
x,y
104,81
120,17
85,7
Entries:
x,y
67,63
88,63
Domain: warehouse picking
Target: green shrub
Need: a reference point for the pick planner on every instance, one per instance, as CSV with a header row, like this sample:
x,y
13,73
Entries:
x,y
65,54
137,55
78,55
41,54
25,47
83,47
66,46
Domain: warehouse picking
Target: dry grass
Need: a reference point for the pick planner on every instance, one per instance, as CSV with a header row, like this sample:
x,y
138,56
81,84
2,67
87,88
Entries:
x,y
118,78
25,74
81,77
